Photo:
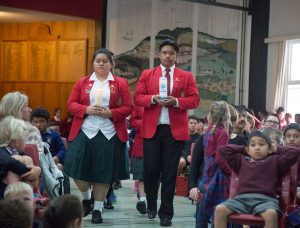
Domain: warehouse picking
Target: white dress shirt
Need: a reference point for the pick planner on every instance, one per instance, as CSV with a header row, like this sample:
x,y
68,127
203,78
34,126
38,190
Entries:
x,y
164,115
92,123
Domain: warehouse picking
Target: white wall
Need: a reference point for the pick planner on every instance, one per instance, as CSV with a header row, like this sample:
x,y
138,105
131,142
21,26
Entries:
x,y
284,21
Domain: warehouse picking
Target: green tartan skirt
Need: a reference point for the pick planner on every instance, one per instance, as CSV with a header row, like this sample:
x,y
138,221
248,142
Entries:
x,y
97,160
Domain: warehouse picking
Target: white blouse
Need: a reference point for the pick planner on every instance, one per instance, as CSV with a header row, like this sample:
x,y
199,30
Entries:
x,y
92,123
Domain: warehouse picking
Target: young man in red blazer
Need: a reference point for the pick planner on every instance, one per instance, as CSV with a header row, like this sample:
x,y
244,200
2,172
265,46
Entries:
x,y
165,127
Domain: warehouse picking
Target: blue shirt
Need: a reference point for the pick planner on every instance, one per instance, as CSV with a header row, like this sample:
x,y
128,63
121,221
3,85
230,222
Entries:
x,y
57,146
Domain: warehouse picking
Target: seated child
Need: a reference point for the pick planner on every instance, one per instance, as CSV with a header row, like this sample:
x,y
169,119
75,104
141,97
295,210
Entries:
x,y
40,118
21,191
256,193
64,212
12,145
291,136
15,213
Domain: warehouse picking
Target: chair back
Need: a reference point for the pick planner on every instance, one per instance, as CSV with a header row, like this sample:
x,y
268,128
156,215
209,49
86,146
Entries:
x,y
32,151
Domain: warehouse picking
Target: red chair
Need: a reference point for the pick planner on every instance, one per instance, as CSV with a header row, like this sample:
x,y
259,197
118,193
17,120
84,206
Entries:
x,y
32,151
40,201
286,201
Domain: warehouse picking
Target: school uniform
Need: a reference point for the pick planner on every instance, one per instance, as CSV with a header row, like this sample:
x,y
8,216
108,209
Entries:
x,y
96,149
164,130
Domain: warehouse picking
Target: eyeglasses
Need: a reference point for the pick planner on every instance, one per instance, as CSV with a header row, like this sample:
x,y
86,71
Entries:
x,y
272,122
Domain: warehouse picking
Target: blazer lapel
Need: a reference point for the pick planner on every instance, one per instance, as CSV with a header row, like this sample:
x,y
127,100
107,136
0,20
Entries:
x,y
177,80
87,87
114,94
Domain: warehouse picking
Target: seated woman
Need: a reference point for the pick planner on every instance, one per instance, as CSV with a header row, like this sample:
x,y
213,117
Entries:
x,y
14,165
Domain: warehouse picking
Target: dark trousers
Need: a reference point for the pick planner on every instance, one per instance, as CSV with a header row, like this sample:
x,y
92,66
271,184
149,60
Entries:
x,y
161,158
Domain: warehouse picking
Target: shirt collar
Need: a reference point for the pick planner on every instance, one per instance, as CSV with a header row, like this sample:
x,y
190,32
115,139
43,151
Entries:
x,y
12,151
171,68
110,77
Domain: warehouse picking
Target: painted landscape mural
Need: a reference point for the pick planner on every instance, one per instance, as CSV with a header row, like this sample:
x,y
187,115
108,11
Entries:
x,y
215,64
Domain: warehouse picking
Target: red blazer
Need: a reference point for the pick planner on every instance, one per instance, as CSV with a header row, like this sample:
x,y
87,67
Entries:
x,y
184,89
119,104
136,123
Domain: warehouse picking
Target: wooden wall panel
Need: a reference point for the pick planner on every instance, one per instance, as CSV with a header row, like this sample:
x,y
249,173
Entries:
x,y
46,88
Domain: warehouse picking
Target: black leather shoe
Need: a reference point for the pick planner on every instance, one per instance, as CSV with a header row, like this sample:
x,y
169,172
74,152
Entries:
x,y
96,217
141,207
165,222
108,205
87,208
151,214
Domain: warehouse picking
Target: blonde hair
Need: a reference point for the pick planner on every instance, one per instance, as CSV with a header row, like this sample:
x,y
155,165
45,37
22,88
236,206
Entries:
x,y
219,114
11,128
16,188
12,104
233,117
250,120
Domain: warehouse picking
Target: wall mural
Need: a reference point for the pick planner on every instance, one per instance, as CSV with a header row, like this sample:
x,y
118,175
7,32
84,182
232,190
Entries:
x,y
216,60
216,63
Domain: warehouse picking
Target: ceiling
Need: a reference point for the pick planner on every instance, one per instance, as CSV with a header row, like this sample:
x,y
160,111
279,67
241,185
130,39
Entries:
x,y
15,15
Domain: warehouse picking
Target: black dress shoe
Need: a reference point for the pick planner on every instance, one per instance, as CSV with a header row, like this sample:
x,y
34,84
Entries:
x,y
108,205
151,214
141,207
96,217
87,208
165,222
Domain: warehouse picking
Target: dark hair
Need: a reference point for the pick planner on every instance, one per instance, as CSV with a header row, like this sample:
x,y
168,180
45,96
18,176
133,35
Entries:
x,y
292,126
169,42
202,120
193,117
40,112
260,134
57,109
62,211
297,115
106,52
240,109
15,213
279,110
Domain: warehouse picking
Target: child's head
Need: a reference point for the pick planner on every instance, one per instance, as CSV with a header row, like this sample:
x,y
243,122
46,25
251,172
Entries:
x,y
275,136
291,135
21,191
259,145
297,118
64,211
57,112
15,213
13,133
40,118
219,114
192,123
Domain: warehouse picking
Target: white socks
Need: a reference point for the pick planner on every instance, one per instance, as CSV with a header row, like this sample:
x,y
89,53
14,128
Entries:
x,y
98,205
86,195
143,198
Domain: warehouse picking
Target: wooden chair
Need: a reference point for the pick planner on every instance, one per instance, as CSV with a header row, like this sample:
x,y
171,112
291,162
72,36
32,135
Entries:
x,y
286,201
